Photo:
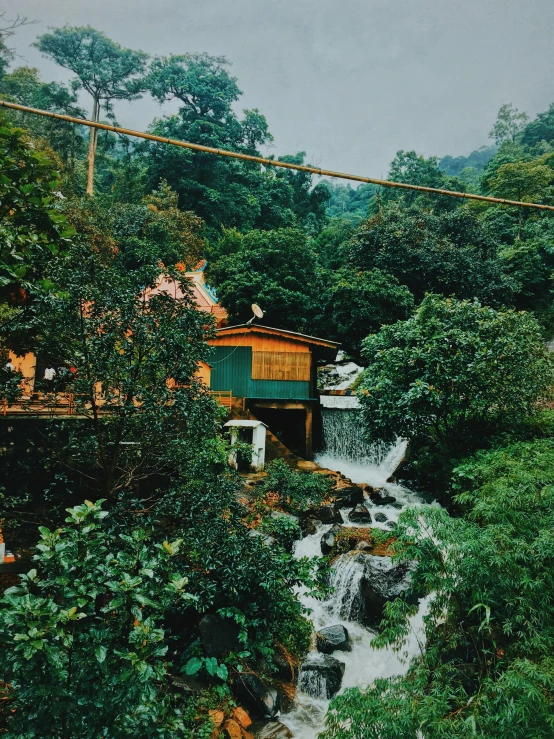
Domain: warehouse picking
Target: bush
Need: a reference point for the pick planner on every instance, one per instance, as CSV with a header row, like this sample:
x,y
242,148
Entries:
x,y
452,375
283,529
291,490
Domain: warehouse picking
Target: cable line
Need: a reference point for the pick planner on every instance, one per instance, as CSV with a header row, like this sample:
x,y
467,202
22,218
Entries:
x,y
270,162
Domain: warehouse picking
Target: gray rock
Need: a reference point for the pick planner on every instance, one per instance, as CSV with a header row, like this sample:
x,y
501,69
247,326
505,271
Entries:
x,y
333,638
329,514
321,676
261,700
382,582
349,496
219,635
328,539
309,526
269,541
380,517
274,730
390,525
360,514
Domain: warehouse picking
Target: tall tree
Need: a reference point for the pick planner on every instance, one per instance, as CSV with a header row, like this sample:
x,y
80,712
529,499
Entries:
x,y
277,269
510,122
453,373
446,252
106,70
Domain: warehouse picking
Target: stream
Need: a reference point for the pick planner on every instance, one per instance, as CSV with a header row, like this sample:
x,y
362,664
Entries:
x,y
346,452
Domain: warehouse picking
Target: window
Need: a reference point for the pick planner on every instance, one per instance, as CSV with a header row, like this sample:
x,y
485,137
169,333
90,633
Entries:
x,y
281,366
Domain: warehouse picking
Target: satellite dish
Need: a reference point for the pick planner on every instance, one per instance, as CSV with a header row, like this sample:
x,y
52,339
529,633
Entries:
x,y
257,311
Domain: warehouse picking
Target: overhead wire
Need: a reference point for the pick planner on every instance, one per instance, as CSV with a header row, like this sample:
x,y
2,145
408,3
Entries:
x,y
272,162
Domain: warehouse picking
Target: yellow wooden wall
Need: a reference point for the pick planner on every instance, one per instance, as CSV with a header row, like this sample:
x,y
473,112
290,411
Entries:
x,y
260,343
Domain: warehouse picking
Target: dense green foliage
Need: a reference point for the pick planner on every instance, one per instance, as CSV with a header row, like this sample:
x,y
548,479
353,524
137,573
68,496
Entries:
x,y
82,636
453,375
291,490
487,669
448,304
360,303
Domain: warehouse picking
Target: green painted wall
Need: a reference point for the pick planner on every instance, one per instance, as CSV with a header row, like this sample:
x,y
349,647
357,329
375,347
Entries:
x,y
232,370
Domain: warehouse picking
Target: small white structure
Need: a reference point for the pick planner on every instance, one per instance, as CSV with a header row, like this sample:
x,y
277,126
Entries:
x,y
248,432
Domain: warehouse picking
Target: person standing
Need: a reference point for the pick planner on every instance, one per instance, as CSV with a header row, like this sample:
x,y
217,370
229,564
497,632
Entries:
x,y
49,375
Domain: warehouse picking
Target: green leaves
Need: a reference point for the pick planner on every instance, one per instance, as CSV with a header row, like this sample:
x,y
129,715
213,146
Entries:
x,y
486,670
210,664
454,372
89,633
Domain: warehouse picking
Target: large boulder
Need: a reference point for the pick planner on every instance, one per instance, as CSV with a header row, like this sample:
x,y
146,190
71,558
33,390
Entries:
x,y
321,676
329,514
360,514
333,638
285,668
382,581
328,539
261,700
219,635
379,499
348,496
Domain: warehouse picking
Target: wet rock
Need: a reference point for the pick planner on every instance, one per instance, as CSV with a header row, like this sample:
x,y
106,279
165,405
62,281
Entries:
x,y
274,730
260,699
328,539
219,635
382,582
309,526
285,670
379,499
321,676
390,525
305,464
329,514
333,638
380,517
360,514
349,495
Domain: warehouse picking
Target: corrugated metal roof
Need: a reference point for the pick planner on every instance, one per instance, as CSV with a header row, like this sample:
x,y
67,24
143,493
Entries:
x,y
281,331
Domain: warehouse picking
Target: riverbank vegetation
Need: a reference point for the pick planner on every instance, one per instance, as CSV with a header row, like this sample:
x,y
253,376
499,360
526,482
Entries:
x,y
135,520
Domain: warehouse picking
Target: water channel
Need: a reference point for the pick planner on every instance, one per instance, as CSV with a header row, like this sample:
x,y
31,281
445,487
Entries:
x,y
345,451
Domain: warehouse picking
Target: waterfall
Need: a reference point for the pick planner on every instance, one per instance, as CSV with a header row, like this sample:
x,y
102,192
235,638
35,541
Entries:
x,y
345,580
312,683
346,449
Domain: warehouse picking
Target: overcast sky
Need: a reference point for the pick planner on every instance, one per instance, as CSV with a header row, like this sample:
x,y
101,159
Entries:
x,y
348,81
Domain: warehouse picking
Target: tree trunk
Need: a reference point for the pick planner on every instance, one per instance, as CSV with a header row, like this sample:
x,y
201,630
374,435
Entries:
x,y
92,148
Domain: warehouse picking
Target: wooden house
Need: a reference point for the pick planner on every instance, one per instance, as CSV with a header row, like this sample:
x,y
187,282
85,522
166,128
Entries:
x,y
273,374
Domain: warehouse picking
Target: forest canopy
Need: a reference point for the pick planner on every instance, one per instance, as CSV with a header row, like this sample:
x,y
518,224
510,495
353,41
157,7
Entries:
x,y
142,535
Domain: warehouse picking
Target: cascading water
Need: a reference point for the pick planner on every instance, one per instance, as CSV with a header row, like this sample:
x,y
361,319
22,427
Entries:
x,y
345,581
345,445
347,452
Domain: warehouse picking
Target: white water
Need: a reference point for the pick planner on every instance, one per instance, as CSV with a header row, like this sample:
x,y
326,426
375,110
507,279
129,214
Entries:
x,y
363,665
